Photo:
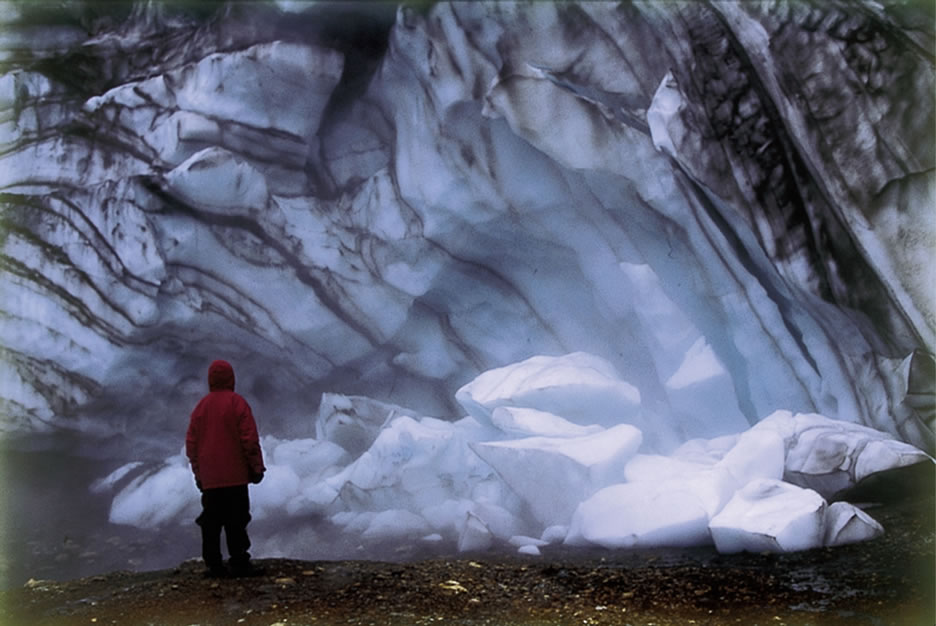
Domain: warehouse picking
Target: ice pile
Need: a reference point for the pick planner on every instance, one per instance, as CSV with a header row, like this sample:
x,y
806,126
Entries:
x,y
581,387
545,457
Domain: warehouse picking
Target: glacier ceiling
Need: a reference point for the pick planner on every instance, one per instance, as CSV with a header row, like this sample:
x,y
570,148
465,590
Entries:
x,y
382,202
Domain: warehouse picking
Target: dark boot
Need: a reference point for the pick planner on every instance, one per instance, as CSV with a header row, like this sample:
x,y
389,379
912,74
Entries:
x,y
217,572
246,570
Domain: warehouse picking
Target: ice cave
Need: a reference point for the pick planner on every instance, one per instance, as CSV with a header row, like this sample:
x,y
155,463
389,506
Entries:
x,y
495,276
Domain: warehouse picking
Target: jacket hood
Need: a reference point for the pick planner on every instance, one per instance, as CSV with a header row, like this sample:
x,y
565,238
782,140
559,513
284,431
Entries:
x,y
220,376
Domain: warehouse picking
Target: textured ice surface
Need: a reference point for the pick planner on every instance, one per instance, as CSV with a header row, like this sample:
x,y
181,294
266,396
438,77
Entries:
x,y
579,387
756,454
517,421
308,458
846,523
395,525
640,515
205,178
161,496
413,463
353,422
830,455
392,219
768,515
567,468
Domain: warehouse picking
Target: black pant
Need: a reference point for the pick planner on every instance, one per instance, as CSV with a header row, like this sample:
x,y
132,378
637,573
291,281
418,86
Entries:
x,y
227,508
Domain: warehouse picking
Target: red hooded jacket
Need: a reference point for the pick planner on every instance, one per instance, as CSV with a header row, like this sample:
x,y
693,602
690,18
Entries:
x,y
222,442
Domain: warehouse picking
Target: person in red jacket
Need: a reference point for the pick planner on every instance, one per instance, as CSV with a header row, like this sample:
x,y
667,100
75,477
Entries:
x,y
224,450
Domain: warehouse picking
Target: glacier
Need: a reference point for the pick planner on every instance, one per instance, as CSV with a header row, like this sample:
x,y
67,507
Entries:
x,y
692,221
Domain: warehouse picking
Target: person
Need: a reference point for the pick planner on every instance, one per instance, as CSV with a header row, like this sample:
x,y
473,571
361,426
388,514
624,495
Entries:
x,y
223,448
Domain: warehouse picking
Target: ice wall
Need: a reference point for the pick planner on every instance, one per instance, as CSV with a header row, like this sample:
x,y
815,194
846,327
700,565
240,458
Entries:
x,y
731,203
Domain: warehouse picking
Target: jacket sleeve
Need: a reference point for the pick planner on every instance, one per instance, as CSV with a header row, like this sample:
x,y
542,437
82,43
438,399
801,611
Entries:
x,y
191,444
250,440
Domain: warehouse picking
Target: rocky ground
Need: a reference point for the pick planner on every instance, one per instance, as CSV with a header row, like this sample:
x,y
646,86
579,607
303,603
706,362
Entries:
x,y
886,581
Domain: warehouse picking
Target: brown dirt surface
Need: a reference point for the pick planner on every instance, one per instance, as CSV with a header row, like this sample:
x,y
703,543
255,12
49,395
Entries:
x,y
886,581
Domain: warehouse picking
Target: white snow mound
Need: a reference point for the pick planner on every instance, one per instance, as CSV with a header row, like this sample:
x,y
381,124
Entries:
x,y
769,515
579,387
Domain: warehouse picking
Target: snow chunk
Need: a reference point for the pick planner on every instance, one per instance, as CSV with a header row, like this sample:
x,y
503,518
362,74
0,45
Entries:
x,y
502,523
518,541
705,451
316,498
555,533
572,468
102,485
453,518
846,523
279,487
308,458
412,464
353,422
757,454
530,550
885,454
155,499
769,515
580,387
475,535
395,524
830,455
448,517
640,515
653,467
711,486
523,422
295,473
